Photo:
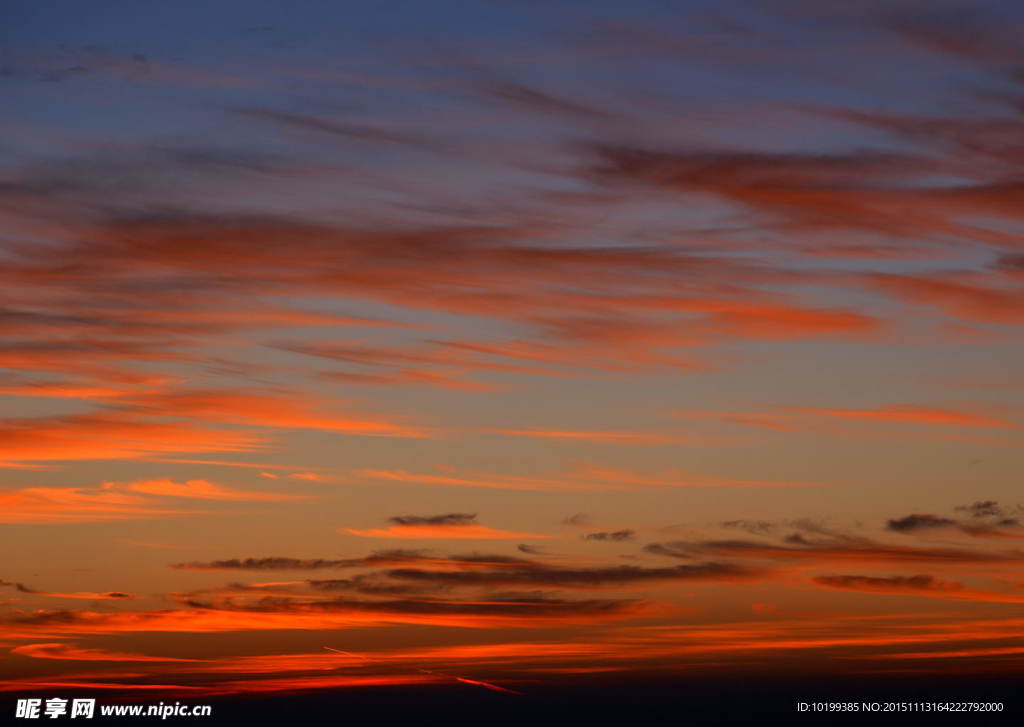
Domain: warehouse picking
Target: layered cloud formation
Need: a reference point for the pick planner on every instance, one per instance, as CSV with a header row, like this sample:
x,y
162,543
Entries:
x,y
745,285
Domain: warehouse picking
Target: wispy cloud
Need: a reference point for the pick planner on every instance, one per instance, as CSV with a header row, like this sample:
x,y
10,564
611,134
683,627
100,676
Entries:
x,y
452,525
119,501
582,477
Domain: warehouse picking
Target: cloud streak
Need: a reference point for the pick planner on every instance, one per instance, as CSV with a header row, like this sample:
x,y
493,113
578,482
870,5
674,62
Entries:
x,y
449,526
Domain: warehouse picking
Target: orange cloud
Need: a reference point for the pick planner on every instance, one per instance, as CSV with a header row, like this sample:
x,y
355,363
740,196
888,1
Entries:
x,y
678,478
411,377
486,685
76,504
74,653
490,481
111,435
529,652
594,436
799,418
981,300
70,682
240,407
201,490
867,634
628,646
308,476
64,391
764,420
87,595
316,615
455,532
99,359
222,463
117,501
767,321
911,414
583,477
295,684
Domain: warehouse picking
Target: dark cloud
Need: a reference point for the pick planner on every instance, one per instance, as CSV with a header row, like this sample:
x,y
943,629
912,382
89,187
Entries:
x,y
533,99
578,577
616,536
739,174
487,559
1012,263
452,518
70,63
380,557
797,539
982,508
957,30
510,610
270,563
53,616
22,588
579,520
371,585
331,127
395,556
392,555
999,524
866,552
17,586
895,583
672,550
815,533
531,607
1002,528
754,527
918,521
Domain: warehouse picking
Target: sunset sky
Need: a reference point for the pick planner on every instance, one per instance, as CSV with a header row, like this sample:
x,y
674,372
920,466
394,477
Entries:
x,y
499,346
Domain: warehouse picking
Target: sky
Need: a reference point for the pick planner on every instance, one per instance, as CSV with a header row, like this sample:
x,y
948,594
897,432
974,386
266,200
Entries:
x,y
508,346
